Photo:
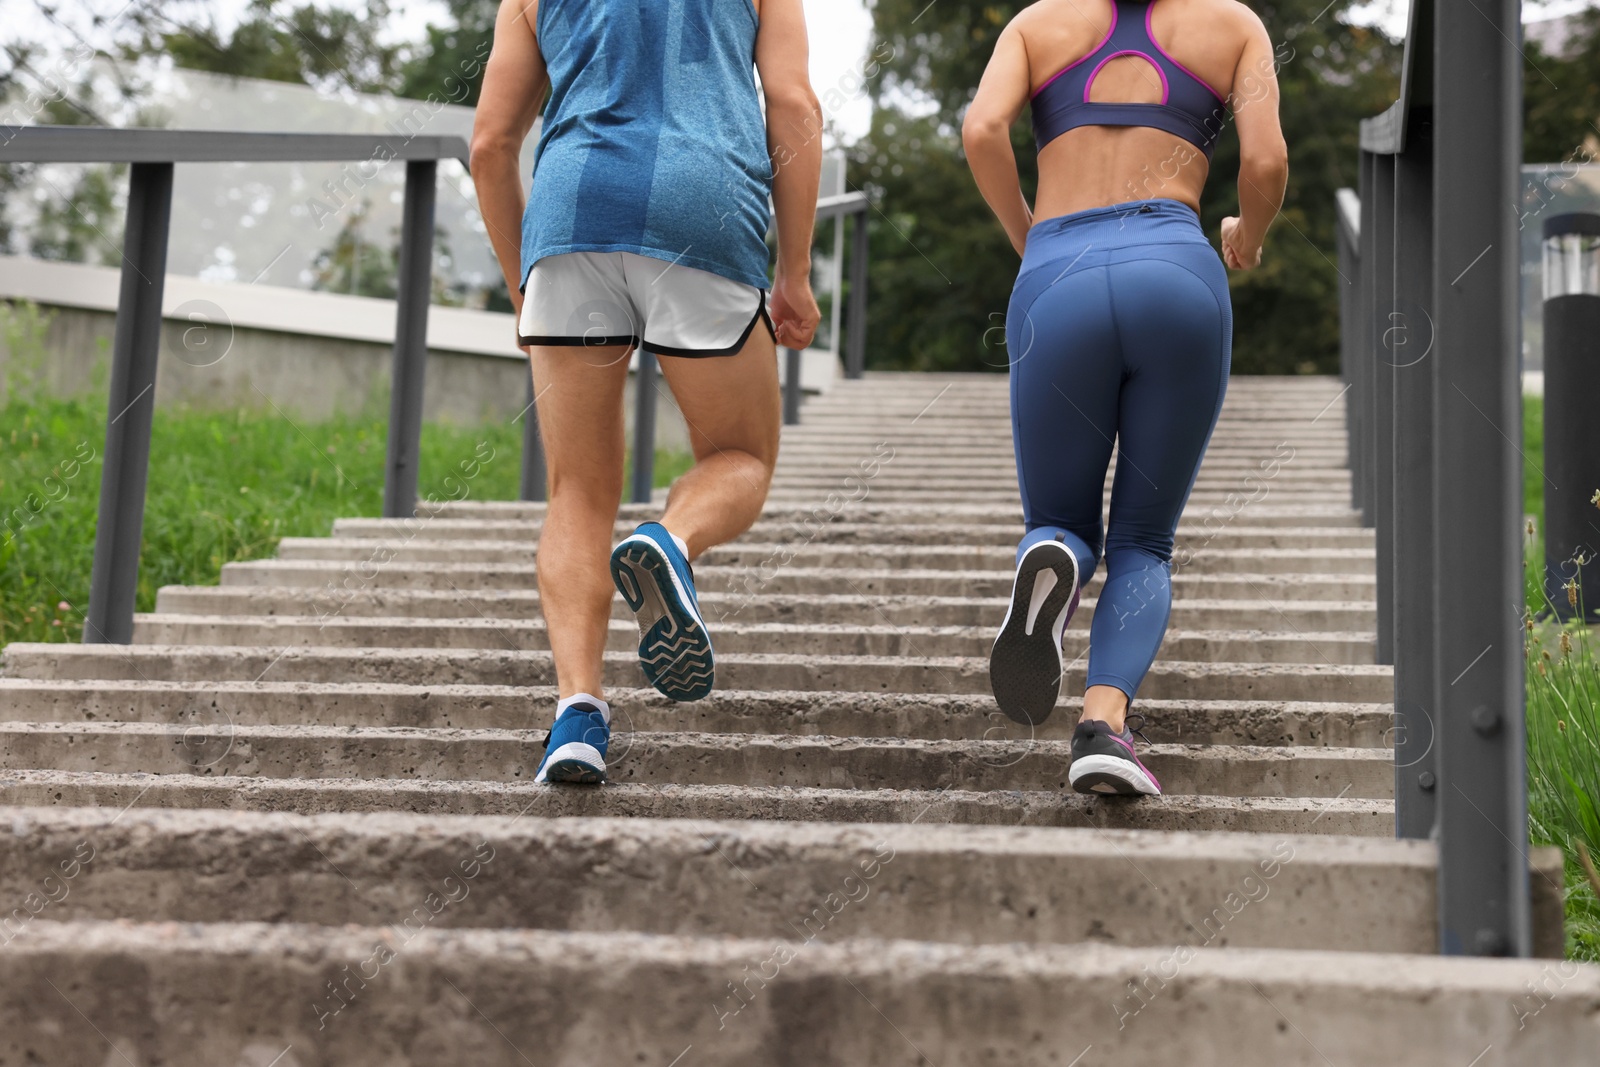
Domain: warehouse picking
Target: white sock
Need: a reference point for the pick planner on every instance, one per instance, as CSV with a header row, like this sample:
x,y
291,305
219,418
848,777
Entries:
x,y
682,545
584,698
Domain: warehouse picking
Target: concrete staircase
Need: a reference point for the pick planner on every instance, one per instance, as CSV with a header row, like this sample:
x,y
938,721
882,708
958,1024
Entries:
x,y
294,823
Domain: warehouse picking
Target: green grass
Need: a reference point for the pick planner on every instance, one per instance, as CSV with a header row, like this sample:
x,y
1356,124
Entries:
x,y
222,487
1563,683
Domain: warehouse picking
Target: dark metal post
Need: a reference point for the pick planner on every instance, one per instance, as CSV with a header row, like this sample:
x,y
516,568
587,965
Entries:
x,y
1360,429
1385,330
412,295
791,386
855,360
135,345
644,428
1350,326
1483,818
1412,355
1571,386
533,472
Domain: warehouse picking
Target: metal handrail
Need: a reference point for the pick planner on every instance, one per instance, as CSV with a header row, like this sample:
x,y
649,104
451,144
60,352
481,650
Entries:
x,y
1430,315
152,154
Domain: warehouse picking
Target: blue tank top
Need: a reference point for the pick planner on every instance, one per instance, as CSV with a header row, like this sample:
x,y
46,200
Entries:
x,y
1189,107
654,140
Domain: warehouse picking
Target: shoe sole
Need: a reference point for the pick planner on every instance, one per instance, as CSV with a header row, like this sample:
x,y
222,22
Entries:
x,y
574,762
1111,776
1025,668
674,647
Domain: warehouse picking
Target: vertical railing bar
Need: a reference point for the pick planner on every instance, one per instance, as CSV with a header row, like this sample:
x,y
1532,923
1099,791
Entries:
x,y
1381,436
412,296
1416,779
791,386
1484,900
644,427
856,354
1361,430
130,415
533,470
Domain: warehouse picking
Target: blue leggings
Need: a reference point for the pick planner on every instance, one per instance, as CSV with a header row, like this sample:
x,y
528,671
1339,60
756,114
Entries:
x,y
1120,328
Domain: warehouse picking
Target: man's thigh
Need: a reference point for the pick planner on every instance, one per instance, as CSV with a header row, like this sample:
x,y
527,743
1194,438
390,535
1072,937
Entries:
x,y
730,402
579,395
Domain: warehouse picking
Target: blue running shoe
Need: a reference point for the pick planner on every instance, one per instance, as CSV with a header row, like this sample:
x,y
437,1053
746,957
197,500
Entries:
x,y
654,578
575,750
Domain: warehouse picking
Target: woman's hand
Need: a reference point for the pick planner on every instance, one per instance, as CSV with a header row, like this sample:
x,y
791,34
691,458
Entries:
x,y
1235,253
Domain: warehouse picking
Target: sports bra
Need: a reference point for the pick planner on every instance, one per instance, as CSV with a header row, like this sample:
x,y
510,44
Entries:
x,y
1189,107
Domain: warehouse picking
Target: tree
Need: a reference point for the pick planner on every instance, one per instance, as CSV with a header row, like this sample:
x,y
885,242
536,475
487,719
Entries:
x,y
942,269
1561,97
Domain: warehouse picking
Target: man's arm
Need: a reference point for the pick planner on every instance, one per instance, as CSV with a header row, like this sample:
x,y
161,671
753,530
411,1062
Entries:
x,y
986,134
794,139
1263,156
514,84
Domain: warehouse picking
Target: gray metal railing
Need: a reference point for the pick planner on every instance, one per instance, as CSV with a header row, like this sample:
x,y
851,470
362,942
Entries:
x,y
1430,355
152,155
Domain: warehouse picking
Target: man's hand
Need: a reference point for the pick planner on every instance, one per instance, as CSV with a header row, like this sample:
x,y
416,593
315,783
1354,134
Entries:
x,y
1235,253
794,310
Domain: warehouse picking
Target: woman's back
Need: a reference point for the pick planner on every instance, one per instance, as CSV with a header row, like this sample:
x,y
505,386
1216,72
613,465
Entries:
x,y
1201,46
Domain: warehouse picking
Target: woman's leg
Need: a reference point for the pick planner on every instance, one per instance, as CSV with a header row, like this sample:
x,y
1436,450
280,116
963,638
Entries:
x,y
1176,328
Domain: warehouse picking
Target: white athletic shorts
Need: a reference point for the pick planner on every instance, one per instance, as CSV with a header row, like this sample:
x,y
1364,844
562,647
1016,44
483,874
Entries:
x,y
619,298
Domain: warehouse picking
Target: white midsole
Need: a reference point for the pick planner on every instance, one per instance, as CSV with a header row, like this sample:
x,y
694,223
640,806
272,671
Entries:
x,y
573,750
1116,767
683,594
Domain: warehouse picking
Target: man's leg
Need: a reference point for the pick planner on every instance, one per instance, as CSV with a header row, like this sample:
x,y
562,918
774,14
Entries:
x,y
734,412
579,394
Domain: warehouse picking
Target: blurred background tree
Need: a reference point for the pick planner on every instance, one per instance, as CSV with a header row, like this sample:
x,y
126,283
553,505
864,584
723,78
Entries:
x,y
942,269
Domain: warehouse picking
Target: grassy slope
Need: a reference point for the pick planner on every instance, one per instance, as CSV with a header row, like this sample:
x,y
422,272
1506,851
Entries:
x,y
222,488
1563,719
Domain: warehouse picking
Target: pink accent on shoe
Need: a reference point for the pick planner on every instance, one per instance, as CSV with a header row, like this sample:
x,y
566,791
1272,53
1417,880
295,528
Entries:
x,y
1133,756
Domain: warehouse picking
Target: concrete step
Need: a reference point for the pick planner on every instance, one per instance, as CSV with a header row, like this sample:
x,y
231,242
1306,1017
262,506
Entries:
x,y
339,576
999,558
933,717
793,638
853,507
1190,537
493,997
1191,613
1268,815
936,883
454,754
1168,680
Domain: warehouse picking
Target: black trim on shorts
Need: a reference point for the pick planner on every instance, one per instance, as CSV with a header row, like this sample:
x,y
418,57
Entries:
x,y
733,349
628,339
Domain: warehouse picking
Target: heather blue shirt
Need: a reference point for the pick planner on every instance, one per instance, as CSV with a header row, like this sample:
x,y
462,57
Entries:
x,y
653,140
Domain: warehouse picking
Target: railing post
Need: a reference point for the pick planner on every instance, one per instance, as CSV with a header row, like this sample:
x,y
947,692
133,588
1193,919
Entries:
x,y
644,428
1384,330
791,386
533,472
1361,393
1350,327
135,346
1416,779
1478,601
412,296
855,362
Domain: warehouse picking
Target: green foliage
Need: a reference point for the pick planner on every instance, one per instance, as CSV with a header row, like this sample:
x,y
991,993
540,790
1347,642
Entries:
x,y
942,269
449,63
1561,98
326,45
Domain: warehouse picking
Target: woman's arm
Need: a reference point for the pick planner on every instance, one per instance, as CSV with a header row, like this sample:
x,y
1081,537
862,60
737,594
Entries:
x,y
794,139
986,133
514,84
1263,156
